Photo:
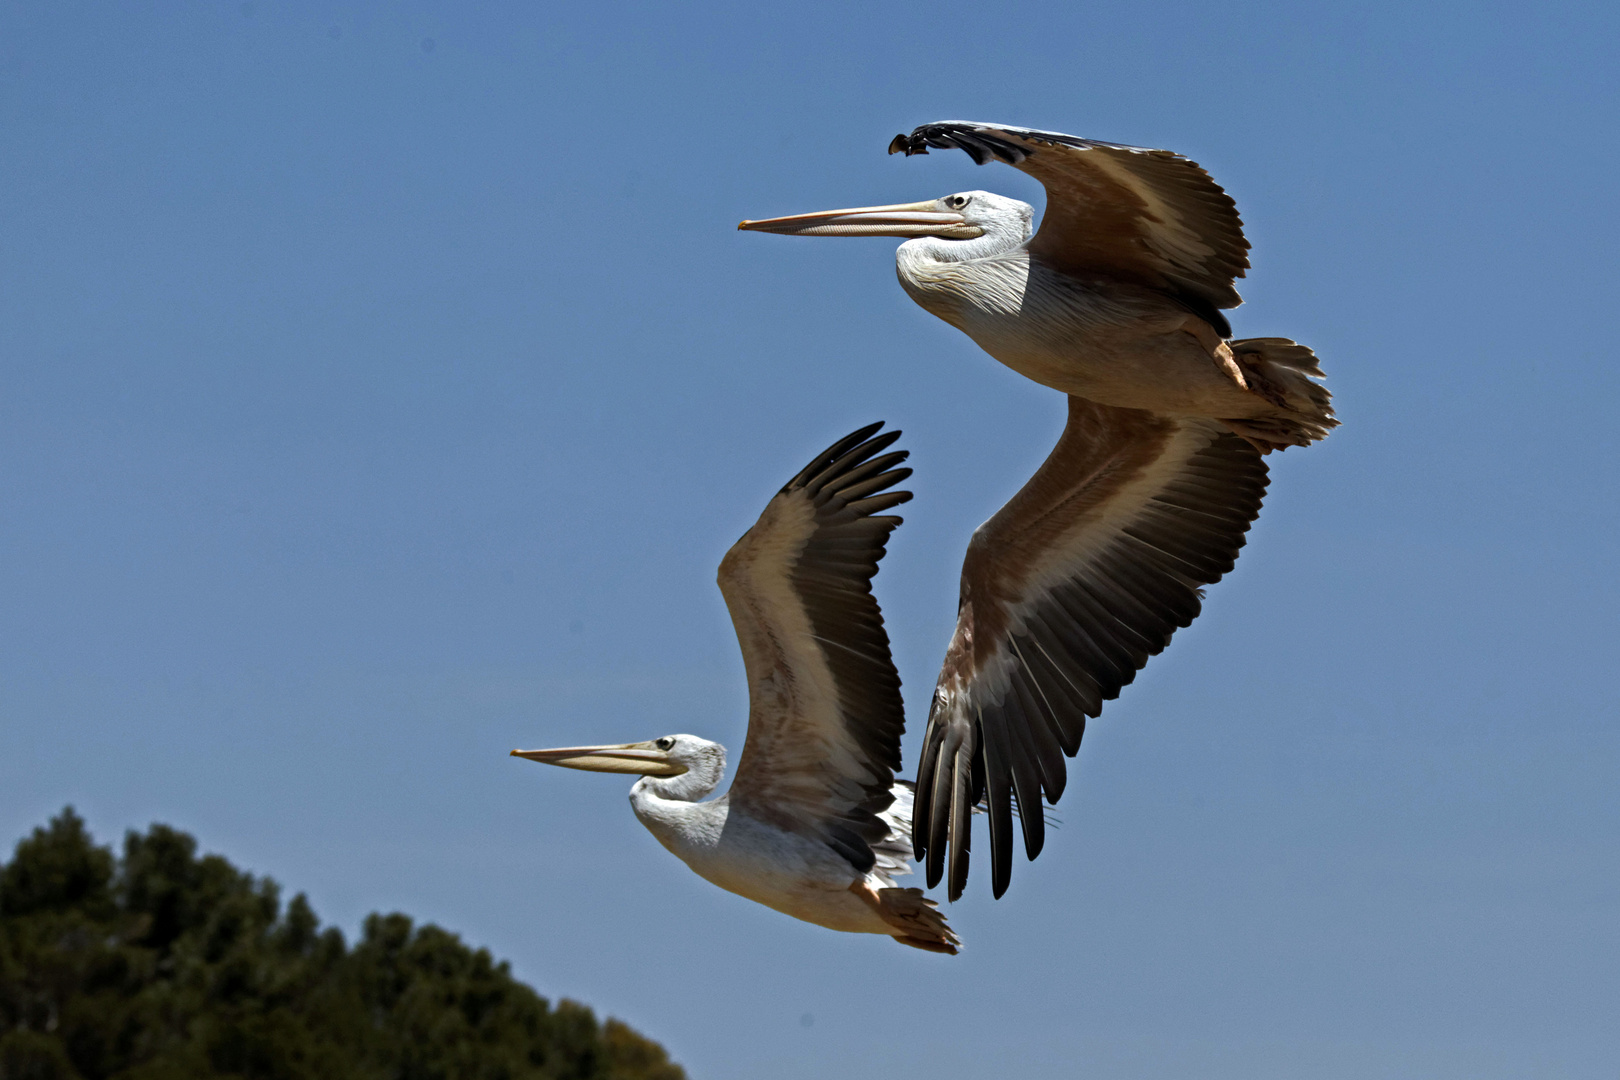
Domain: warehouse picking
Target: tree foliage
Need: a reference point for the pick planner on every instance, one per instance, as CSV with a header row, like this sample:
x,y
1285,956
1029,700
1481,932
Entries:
x,y
165,966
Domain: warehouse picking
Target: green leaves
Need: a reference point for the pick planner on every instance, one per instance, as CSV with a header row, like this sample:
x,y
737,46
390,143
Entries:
x,y
58,868
165,966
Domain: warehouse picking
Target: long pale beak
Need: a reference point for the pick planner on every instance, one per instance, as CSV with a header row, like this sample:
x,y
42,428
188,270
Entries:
x,y
901,219
642,758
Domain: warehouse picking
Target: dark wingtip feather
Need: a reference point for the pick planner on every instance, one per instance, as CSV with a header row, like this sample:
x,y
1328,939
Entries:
x,y
856,473
978,142
998,807
834,452
961,825
850,460
876,504
921,797
939,817
872,485
1034,829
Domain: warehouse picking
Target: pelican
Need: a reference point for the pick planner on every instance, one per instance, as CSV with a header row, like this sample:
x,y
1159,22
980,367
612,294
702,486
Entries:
x,y
815,824
1092,566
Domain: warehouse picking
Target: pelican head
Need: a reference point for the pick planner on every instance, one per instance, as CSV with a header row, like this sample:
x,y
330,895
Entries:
x,y
966,215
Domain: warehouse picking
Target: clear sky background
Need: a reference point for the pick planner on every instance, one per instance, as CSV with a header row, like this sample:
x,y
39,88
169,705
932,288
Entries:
x,y
380,387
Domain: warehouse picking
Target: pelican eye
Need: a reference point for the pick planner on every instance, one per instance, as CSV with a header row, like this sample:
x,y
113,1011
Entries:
x,y
665,743
956,202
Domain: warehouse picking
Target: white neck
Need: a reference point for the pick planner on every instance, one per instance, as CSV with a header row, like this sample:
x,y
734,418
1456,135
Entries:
x,y
937,249
1004,230
670,809
699,779
936,273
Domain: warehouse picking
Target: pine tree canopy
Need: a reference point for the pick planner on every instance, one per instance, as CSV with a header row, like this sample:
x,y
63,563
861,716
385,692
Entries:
x,y
161,965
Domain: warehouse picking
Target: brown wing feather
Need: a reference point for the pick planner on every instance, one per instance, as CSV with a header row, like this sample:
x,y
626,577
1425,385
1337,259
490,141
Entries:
x,y
825,714
1066,593
1147,216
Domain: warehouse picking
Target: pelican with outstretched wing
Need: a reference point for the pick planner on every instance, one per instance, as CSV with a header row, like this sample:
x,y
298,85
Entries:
x,y
1093,565
815,824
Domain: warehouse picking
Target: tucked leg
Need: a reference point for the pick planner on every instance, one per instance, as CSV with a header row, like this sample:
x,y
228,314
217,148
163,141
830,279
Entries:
x,y
915,918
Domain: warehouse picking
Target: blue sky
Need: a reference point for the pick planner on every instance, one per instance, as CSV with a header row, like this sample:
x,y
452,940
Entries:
x,y
380,387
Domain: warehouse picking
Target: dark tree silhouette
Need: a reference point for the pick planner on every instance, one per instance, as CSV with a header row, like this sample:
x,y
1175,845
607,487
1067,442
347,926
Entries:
x,y
165,966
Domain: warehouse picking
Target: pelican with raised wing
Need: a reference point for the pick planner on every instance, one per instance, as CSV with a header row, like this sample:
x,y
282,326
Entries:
x,y
1093,565
1117,299
815,824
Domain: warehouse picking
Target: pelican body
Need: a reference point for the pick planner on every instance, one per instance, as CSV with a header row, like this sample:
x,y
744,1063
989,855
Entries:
x,y
1107,342
1103,554
1116,300
815,825
744,853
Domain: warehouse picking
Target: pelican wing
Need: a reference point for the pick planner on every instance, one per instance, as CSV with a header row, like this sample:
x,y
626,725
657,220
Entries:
x,y
1066,592
825,715
1147,216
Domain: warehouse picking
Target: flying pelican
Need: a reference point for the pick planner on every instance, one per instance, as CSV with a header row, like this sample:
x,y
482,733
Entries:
x,y
815,824
1092,566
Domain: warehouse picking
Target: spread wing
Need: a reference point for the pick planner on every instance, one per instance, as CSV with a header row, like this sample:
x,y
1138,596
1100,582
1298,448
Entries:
x,y
1147,216
1066,592
825,715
